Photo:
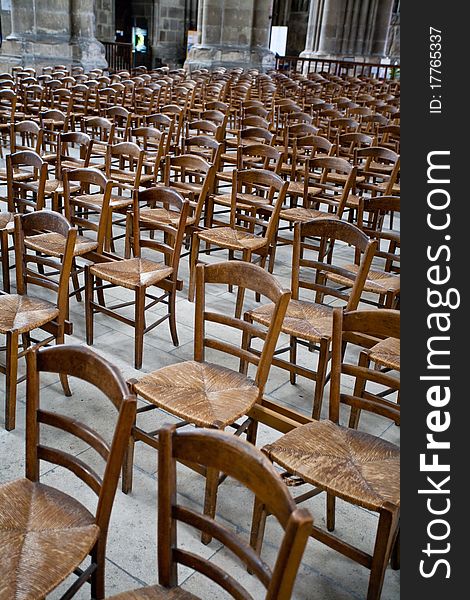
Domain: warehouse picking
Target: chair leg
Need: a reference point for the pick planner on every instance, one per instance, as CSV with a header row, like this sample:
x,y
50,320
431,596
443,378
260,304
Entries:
x,y
293,359
11,380
172,317
210,499
383,546
98,577
5,261
76,282
88,307
192,266
128,466
320,378
258,525
330,511
139,326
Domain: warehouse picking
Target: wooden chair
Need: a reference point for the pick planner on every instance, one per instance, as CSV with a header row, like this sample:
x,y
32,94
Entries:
x,y
29,188
307,322
257,197
235,458
205,393
326,180
169,217
8,99
49,530
383,279
357,467
6,230
153,143
22,313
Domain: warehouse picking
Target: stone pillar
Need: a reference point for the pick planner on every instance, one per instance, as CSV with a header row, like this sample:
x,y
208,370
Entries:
x,y
48,32
234,33
87,51
169,39
348,28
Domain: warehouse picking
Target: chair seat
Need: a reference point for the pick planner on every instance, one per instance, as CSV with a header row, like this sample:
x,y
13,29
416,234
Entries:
x,y
51,186
233,239
23,313
156,592
304,320
377,282
18,175
53,244
386,353
202,393
341,178
40,526
131,273
353,465
128,177
162,215
7,221
95,201
226,200
304,214
185,187
297,187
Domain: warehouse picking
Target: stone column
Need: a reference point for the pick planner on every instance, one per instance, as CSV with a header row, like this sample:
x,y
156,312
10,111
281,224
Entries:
x,y
348,28
169,26
234,33
87,51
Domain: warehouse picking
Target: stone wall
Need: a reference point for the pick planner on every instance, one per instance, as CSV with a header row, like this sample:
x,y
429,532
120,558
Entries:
x,y
169,45
105,27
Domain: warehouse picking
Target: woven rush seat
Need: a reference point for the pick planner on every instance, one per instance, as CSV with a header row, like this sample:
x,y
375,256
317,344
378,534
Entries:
x,y
203,393
162,216
50,187
305,320
353,465
53,244
131,272
7,221
377,282
156,592
386,353
297,187
95,201
226,200
185,187
341,178
40,525
302,215
18,175
233,239
125,177
22,313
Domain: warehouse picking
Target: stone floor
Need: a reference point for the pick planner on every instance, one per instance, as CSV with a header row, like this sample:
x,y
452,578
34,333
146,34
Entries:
x,y
131,556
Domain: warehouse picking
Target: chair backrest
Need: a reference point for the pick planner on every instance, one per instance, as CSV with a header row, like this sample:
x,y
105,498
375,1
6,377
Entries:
x,y
247,276
256,134
28,162
363,329
308,259
69,140
27,225
333,193
193,169
171,224
85,178
264,192
207,147
259,156
129,159
83,363
30,135
245,463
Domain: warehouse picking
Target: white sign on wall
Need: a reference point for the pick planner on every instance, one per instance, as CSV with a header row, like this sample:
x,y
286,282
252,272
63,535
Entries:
x,y
278,40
